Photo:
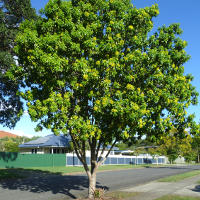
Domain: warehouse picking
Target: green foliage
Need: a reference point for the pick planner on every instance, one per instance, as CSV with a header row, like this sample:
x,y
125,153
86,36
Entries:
x,y
173,146
154,152
98,73
11,144
11,14
176,197
196,146
91,69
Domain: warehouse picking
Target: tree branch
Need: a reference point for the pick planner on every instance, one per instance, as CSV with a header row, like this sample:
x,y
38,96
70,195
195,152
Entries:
x,y
100,162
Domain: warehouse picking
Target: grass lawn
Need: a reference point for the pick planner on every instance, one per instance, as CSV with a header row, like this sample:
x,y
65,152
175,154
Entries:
x,y
74,169
25,172
180,177
116,195
175,197
19,172
10,174
120,195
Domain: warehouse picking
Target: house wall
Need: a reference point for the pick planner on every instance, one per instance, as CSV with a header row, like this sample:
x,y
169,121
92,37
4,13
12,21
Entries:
x,y
49,150
29,150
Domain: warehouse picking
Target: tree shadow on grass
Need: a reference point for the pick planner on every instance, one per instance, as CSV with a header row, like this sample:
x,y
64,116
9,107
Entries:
x,y
40,182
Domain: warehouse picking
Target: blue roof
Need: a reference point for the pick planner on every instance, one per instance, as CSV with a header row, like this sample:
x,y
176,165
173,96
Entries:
x,y
48,141
114,148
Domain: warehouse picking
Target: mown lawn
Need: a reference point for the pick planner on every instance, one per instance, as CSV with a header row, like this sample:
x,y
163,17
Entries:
x,y
180,177
19,172
74,169
175,197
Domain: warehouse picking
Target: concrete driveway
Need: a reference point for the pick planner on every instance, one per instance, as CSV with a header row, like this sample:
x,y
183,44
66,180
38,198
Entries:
x,y
57,187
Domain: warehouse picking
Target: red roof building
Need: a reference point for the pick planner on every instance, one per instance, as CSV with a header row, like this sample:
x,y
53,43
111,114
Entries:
x,y
6,134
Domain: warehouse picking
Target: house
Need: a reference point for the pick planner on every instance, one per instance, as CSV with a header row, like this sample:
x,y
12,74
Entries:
x,y
4,134
49,144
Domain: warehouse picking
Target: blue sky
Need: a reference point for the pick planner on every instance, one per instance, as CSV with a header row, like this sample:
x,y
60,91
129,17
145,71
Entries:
x,y
171,11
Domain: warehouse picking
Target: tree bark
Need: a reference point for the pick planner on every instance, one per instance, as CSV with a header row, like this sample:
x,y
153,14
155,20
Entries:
x,y
92,185
92,175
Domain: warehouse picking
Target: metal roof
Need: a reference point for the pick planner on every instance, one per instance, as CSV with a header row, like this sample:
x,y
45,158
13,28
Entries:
x,y
48,141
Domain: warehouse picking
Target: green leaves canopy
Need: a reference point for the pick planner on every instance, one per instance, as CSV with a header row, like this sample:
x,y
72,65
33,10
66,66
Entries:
x,y
91,68
11,14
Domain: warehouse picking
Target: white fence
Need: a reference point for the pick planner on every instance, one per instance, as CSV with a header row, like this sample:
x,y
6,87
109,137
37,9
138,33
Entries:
x,y
72,160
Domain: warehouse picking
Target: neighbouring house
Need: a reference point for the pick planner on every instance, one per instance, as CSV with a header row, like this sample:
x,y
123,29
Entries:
x,y
49,144
4,134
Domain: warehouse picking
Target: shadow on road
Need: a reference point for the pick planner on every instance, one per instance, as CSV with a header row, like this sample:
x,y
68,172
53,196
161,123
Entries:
x,y
39,182
196,189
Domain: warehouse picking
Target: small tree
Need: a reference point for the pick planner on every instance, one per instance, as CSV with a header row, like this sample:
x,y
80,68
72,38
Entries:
x,y
153,151
8,144
11,146
89,69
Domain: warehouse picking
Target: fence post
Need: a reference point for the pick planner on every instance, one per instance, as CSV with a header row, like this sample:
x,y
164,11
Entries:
x,y
52,160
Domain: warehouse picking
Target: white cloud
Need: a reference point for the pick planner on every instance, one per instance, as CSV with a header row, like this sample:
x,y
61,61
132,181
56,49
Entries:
x,y
22,133
26,113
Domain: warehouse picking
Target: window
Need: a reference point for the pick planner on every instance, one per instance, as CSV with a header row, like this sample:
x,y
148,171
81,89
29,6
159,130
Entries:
x,y
34,151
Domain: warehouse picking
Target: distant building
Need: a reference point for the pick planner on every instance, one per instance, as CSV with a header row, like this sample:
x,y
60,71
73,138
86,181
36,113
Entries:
x,y
49,144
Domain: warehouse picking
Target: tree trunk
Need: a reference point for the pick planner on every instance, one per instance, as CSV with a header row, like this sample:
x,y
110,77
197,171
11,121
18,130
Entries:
x,y
92,185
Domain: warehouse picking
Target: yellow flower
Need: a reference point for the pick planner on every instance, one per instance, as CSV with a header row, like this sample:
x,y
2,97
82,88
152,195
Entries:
x,y
108,29
118,35
85,76
111,101
92,133
86,14
98,62
130,27
129,87
117,53
122,42
114,110
157,12
112,64
126,135
97,102
95,108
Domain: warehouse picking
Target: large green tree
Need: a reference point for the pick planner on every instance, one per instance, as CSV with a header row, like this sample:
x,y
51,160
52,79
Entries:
x,y
11,14
196,146
90,69
174,146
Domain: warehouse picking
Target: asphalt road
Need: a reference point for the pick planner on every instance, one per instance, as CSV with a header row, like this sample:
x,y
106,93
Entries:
x,y
57,187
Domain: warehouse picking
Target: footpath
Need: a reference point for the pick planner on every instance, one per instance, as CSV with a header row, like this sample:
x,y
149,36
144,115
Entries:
x,y
155,189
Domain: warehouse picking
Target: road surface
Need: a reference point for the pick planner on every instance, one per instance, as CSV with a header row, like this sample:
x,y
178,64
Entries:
x,y
56,187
